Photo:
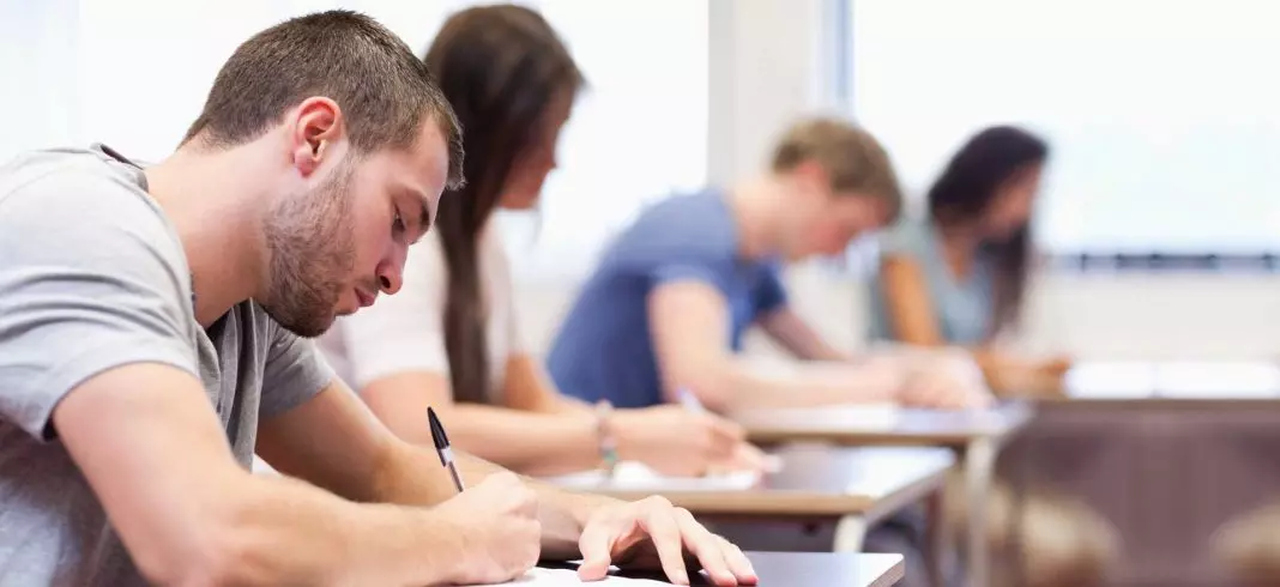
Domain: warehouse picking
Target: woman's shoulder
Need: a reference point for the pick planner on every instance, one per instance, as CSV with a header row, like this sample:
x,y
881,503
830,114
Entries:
x,y
909,236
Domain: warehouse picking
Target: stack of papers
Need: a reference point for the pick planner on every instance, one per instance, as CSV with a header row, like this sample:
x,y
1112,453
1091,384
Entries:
x,y
636,476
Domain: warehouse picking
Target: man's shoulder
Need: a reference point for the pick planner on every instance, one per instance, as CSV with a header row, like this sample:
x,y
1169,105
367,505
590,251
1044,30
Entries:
x,y
64,180
691,229
70,212
83,196
32,166
692,212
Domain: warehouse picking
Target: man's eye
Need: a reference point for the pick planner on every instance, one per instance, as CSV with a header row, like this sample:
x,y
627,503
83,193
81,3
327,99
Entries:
x,y
397,223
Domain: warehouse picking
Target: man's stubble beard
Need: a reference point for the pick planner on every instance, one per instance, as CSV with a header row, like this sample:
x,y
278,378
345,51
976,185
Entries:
x,y
309,239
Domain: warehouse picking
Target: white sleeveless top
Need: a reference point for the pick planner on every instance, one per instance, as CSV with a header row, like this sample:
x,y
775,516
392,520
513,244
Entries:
x,y
405,332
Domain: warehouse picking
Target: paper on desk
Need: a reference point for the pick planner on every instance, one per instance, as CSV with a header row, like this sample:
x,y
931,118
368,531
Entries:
x,y
879,415
539,577
636,476
859,417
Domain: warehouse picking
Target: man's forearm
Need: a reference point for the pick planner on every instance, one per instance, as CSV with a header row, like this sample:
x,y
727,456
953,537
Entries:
x,y
824,351
790,331
811,384
409,474
806,344
563,514
280,530
413,475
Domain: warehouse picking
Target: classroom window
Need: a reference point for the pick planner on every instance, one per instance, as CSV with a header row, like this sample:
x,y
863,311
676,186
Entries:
x,y
1162,116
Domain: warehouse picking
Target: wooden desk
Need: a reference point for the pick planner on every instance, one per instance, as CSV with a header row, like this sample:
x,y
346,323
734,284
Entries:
x,y
815,569
848,426
1166,451
977,435
847,487
805,569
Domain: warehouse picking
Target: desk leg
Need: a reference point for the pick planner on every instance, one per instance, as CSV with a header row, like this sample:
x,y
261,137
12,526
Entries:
x,y
979,464
849,533
938,537
1017,521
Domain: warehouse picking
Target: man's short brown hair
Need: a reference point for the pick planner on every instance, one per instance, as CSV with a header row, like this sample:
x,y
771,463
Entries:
x,y
383,89
853,158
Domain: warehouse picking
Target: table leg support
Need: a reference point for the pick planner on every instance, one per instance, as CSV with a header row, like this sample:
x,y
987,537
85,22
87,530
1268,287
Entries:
x,y
938,536
979,464
849,533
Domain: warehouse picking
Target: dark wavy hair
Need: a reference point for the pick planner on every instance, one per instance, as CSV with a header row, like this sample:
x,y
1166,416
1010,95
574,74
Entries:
x,y
501,67
965,191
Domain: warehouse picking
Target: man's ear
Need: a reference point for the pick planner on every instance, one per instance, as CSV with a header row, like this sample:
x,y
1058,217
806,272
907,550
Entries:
x,y
317,124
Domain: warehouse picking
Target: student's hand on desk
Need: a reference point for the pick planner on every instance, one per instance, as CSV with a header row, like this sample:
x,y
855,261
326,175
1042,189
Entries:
x,y
652,534
675,441
1032,379
939,388
499,519
1058,365
1054,371
1048,379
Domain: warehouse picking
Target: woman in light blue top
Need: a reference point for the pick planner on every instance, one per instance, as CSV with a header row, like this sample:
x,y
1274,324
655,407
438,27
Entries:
x,y
958,278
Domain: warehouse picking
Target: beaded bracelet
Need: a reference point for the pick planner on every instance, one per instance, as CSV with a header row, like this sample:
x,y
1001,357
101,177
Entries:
x,y
604,433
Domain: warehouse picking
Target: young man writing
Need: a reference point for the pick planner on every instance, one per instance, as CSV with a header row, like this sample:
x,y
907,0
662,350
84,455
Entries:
x,y
134,300
668,306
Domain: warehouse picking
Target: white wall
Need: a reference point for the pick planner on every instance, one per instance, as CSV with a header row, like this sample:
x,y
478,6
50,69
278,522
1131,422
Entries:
x,y
1157,316
765,62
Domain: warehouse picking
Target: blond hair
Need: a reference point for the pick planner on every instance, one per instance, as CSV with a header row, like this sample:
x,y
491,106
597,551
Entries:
x,y
855,160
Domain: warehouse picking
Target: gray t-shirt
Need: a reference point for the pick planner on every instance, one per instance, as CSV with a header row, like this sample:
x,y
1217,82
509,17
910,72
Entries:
x,y
92,277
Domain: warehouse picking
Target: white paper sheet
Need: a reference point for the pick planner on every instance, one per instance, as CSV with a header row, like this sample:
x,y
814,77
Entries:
x,y
860,417
539,577
636,476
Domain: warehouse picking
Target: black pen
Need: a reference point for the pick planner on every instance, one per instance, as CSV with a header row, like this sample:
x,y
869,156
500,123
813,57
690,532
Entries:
x,y
442,448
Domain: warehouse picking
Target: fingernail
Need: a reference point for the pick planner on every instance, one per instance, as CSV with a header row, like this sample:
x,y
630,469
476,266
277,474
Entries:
x,y
682,577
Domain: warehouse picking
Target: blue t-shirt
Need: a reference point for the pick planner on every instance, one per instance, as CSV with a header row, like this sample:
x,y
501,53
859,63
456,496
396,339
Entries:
x,y
963,306
604,349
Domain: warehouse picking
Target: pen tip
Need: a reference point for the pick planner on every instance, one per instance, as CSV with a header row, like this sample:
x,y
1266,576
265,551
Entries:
x,y
437,429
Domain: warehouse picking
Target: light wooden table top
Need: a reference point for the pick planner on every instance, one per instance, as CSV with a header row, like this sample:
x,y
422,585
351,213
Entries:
x,y
850,425
816,481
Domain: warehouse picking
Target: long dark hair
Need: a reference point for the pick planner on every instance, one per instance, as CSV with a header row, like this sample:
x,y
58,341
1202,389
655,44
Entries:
x,y
963,194
501,67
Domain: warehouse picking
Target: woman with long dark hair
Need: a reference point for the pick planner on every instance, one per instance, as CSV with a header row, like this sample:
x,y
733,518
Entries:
x,y
959,278
448,339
